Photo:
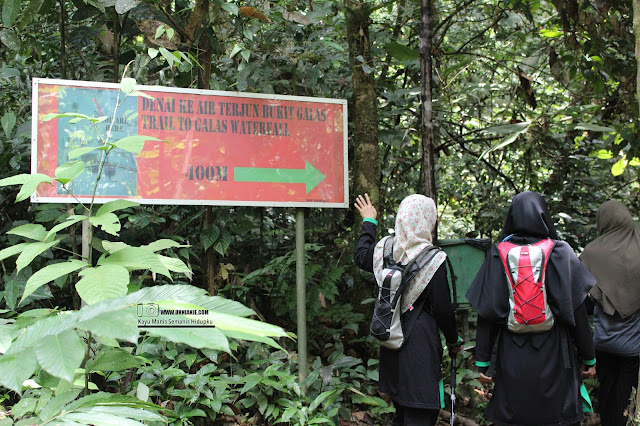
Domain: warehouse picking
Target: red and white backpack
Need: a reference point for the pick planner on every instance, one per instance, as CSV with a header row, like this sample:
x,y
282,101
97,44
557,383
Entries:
x,y
525,267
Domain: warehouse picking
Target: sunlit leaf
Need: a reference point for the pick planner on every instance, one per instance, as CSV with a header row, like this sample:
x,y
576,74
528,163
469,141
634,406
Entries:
x,y
69,171
50,273
103,282
618,168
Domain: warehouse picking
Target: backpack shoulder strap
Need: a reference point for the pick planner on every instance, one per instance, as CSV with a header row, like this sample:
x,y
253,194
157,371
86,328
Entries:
x,y
387,253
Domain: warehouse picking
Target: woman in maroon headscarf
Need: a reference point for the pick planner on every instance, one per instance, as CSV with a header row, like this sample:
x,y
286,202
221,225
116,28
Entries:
x,y
614,260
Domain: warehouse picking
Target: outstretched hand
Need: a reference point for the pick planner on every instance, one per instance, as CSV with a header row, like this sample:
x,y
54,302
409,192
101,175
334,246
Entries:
x,y
364,206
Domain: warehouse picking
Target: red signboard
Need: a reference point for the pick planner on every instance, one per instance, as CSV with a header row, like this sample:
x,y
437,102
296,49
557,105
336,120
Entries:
x,y
212,147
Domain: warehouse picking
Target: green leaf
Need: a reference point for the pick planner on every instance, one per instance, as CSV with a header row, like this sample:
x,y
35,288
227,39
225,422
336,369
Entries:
x,y
603,154
142,392
168,56
324,395
159,31
223,243
8,120
174,264
134,143
127,85
16,368
71,220
164,244
115,205
134,258
236,49
31,251
30,12
402,52
29,183
139,93
9,38
120,325
10,11
522,128
103,282
594,127
109,223
618,168
232,8
69,171
152,52
12,251
209,235
550,33
112,359
79,152
196,337
50,273
32,231
61,354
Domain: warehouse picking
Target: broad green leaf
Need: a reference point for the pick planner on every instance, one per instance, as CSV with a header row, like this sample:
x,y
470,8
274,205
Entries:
x,y
127,85
236,49
71,220
123,6
32,231
112,247
109,223
196,337
164,244
152,52
61,354
134,143
232,8
159,31
104,399
103,282
402,52
12,251
120,325
323,396
29,183
31,251
29,13
245,325
134,258
16,368
79,152
112,359
550,33
73,115
69,171
8,121
9,38
168,56
635,161
174,264
56,404
10,11
618,168
594,127
209,235
222,244
506,141
142,392
603,154
507,128
100,415
115,205
50,273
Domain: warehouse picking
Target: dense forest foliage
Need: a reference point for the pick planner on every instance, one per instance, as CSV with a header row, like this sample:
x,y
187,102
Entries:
x,y
524,95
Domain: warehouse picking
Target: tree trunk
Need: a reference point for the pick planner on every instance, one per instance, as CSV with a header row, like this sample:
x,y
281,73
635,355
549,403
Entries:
x,y
365,118
636,31
428,160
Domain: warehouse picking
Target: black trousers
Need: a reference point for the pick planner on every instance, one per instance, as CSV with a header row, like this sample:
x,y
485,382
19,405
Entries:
x,y
407,416
616,374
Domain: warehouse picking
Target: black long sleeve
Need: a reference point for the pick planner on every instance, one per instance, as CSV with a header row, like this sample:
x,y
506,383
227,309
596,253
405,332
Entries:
x,y
582,336
486,334
363,255
440,306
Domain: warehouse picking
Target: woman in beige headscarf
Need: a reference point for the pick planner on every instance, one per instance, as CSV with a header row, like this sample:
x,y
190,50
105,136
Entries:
x,y
411,375
614,260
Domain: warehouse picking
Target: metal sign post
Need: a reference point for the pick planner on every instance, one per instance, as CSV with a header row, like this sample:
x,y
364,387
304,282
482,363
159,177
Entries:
x,y
301,298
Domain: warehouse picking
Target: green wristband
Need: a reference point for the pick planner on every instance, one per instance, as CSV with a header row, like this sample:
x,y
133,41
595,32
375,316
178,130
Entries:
x,y
590,362
369,219
483,363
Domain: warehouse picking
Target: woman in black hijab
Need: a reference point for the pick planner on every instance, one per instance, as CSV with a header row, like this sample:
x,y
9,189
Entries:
x,y
537,378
